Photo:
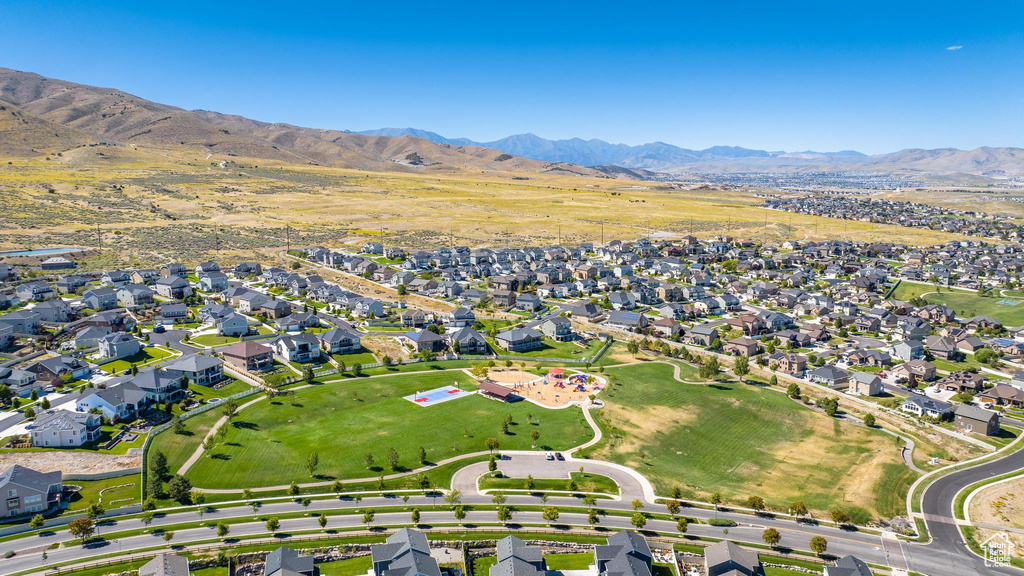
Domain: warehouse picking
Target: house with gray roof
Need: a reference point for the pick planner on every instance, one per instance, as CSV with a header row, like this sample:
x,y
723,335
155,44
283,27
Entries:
x,y
847,566
302,347
55,311
101,298
970,418
165,565
519,340
626,554
343,339
424,341
924,406
116,402
702,335
199,369
404,553
727,559
22,321
118,345
516,558
468,341
27,491
65,429
830,376
287,562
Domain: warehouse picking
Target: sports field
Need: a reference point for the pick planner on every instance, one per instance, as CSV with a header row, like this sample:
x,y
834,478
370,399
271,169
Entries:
x,y
742,440
1007,309
345,420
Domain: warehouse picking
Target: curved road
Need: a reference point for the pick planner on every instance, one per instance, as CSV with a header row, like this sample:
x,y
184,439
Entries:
x,y
947,552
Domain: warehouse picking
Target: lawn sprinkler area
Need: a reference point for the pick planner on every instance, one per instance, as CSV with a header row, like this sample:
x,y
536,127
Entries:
x,y
437,395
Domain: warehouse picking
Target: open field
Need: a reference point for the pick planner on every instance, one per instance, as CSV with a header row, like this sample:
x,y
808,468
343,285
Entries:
x,y
1000,504
343,421
169,201
743,440
967,304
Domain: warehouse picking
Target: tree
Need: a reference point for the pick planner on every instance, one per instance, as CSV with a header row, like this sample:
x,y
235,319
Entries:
x,y
177,425
793,390
424,482
247,494
492,463
306,502
81,528
368,517
293,489
460,513
673,507
755,503
869,420
677,492
199,501
682,525
29,413
499,498
95,510
492,444
590,500
273,525
146,518
322,520
168,535
368,460
530,482
741,366
573,486
535,434
222,529
504,514
312,463
710,369
633,347
839,516
550,514
639,520
415,517
423,455
291,397
393,461
453,497
637,504
37,521
716,499
308,375
798,508
230,408
504,427
179,489
771,537
158,465
829,405
819,545
45,404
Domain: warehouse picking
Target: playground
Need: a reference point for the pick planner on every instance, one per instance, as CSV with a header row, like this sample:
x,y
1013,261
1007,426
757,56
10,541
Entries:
x,y
436,396
554,390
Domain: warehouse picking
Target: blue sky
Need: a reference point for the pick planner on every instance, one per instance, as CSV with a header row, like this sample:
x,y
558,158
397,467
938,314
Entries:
x,y
871,76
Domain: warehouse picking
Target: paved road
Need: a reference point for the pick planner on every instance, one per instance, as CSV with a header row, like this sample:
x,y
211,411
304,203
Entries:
x,y
947,553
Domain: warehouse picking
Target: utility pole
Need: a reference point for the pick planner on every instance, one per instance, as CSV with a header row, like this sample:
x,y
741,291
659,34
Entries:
x,y
288,237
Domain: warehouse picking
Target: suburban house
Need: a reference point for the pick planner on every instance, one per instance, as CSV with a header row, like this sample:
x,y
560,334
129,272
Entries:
x,y
118,345
21,383
64,366
26,491
915,370
404,553
865,384
742,346
213,281
341,340
54,311
250,301
468,341
557,328
942,347
101,298
830,376
134,296
626,554
626,320
276,308
519,340
586,310
165,565
1002,395
22,321
117,403
249,356
173,312
460,318
297,347
199,369
35,292
288,562
847,566
160,385
233,324
787,363
962,381
924,406
413,318
65,429
977,420
516,558
424,341
908,350
89,337
726,558
6,336
173,287
702,335
666,327
503,298
173,269
528,302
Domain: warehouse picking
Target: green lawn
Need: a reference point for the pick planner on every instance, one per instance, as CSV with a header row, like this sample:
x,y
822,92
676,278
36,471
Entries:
x,y
231,388
571,561
363,358
149,355
347,567
345,420
968,304
212,340
585,483
178,447
553,349
120,491
740,440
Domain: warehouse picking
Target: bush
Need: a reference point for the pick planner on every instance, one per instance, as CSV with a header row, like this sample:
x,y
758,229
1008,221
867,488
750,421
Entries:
x,y
721,522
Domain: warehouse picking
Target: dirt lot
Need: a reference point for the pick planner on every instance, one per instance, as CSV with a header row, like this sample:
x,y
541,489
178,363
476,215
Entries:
x,y
70,462
1000,504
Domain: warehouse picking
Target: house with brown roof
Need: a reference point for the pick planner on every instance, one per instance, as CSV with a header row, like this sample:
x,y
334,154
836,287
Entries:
x,y
248,355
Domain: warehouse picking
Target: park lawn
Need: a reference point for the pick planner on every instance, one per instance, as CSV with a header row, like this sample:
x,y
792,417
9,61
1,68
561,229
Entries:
x,y
178,447
345,420
740,440
585,482
553,349
571,561
968,304
213,340
146,356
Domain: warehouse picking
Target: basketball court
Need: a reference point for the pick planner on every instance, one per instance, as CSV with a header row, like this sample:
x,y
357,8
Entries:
x,y
436,396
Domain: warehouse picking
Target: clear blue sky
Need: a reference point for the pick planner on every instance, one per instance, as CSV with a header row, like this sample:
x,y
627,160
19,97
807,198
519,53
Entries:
x,y
871,76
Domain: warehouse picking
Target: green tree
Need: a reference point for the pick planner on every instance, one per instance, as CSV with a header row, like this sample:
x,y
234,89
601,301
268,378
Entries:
x,y
179,489
504,514
633,347
368,460
199,501
716,499
681,525
168,535
82,528
322,520
829,405
819,545
839,516
415,518
308,375
423,455
273,525
37,522
673,507
312,463
393,461
460,513
755,503
798,508
499,498
530,482
741,366
793,390
639,520
293,489
177,425
368,517
771,537
222,529
550,514
158,465
146,518
492,444
869,420
637,504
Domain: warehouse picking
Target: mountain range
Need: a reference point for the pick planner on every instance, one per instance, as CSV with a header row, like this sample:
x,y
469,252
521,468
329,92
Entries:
x,y
662,157
43,116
